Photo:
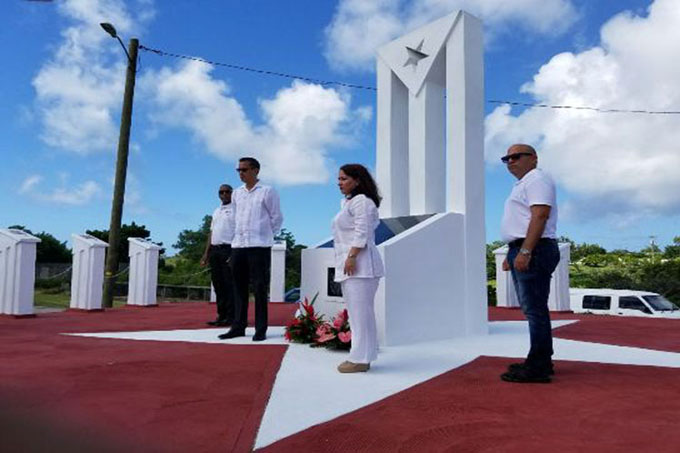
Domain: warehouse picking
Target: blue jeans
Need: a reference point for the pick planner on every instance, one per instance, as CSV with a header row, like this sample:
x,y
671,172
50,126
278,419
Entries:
x,y
533,289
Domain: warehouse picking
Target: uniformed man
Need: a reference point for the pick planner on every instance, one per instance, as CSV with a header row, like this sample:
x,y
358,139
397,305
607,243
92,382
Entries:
x,y
218,253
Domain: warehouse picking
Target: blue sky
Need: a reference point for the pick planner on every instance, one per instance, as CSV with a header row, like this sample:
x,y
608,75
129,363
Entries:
x,y
62,83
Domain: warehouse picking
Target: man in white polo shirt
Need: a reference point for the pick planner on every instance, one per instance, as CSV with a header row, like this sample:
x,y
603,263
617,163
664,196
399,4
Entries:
x,y
529,227
217,253
257,219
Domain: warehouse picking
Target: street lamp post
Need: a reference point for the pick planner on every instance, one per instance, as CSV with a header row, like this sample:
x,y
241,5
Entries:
x,y
121,167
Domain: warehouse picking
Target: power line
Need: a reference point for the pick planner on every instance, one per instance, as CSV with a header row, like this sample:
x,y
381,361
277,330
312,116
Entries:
x,y
594,109
256,70
163,53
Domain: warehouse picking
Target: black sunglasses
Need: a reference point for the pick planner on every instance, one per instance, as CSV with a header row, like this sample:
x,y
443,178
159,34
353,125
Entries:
x,y
224,191
514,157
242,170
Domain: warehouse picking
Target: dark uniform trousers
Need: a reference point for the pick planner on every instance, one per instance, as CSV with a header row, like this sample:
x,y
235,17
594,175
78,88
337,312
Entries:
x,y
251,265
220,274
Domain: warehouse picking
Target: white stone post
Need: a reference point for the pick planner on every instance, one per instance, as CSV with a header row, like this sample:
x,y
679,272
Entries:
x,y
87,274
213,294
277,276
143,272
392,156
426,158
17,272
465,158
558,300
559,285
505,288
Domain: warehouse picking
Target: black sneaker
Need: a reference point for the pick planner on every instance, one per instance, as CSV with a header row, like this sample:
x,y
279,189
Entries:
x,y
523,375
517,366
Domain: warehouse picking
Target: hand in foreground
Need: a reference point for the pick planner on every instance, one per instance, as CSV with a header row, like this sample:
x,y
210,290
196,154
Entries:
x,y
350,266
204,261
522,262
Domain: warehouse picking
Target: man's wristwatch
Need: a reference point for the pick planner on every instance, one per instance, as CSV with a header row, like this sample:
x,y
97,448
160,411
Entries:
x,y
351,256
525,252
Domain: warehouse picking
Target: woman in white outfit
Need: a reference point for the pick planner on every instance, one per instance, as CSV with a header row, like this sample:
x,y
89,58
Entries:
x,y
358,266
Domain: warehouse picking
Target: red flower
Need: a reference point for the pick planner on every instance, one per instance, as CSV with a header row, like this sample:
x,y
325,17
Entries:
x,y
345,337
338,322
308,308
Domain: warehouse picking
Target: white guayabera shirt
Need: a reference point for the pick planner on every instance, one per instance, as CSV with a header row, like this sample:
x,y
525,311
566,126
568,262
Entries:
x,y
222,225
257,216
354,226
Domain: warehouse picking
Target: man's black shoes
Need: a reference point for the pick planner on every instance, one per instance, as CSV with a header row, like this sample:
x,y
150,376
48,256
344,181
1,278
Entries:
x,y
525,375
219,323
259,337
516,366
232,334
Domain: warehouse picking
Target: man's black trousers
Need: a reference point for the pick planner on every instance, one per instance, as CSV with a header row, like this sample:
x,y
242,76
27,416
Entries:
x,y
251,265
220,274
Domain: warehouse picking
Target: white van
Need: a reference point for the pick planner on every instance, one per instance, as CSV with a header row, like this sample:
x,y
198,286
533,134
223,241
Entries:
x,y
622,302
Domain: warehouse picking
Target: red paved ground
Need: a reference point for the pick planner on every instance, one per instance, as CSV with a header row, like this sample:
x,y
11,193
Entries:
x,y
60,393
148,396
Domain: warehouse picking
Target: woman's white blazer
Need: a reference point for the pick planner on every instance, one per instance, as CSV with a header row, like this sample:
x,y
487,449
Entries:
x,y
354,226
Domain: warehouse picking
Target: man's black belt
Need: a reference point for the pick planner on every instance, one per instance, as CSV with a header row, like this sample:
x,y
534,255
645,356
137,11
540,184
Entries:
x,y
520,241
220,245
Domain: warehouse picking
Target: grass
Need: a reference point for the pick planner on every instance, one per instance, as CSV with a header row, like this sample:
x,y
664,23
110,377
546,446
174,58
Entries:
x,y
48,298
62,299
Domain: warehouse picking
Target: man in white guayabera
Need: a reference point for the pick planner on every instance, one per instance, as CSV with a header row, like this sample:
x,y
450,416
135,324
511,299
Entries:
x,y
217,253
257,218
529,227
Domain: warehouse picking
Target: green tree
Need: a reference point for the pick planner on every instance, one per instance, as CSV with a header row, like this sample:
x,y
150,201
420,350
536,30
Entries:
x,y
49,249
293,258
126,231
491,259
191,243
651,249
579,251
673,250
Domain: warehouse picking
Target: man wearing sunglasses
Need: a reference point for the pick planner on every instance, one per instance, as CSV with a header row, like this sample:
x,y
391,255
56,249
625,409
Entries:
x,y
217,253
529,227
257,219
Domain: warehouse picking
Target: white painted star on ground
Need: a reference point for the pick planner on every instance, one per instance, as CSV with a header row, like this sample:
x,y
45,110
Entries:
x,y
329,394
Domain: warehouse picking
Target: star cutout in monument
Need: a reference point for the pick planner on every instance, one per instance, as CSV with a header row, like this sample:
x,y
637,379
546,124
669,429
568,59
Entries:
x,y
415,55
329,394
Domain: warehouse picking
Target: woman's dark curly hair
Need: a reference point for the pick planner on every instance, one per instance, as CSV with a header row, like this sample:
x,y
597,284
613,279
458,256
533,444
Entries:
x,y
366,184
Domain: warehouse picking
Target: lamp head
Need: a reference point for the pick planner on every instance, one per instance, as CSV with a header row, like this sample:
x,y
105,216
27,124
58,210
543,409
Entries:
x,y
110,29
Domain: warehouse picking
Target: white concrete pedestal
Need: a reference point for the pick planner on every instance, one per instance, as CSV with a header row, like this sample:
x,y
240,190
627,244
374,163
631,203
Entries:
x,y
17,272
143,272
506,296
87,276
277,276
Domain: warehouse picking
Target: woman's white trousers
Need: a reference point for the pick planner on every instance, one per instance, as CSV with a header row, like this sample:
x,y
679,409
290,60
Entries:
x,y
359,295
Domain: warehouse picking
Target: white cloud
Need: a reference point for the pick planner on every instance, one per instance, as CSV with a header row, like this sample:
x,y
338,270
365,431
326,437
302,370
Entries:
x,y
79,195
29,183
610,162
302,122
80,88
359,26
